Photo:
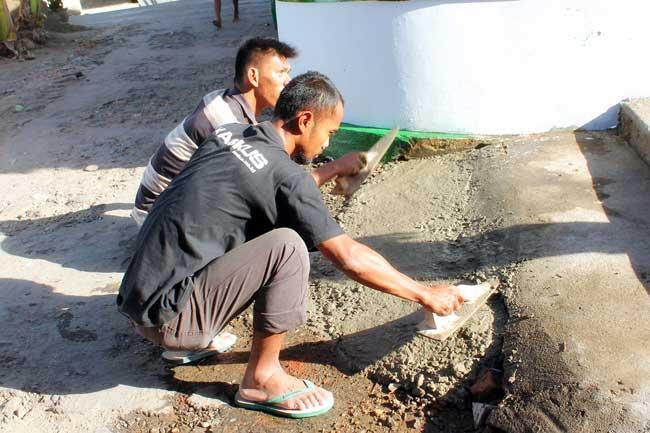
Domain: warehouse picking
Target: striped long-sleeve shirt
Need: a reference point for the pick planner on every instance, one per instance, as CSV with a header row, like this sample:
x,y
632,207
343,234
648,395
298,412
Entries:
x,y
216,108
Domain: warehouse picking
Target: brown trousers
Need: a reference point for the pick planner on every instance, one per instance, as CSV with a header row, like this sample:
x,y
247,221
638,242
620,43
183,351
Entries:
x,y
270,271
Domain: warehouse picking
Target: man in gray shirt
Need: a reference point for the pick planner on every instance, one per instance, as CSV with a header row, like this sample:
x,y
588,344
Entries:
x,y
234,229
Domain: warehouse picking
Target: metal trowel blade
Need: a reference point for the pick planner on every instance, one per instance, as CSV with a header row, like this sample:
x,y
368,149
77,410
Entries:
x,y
348,185
441,327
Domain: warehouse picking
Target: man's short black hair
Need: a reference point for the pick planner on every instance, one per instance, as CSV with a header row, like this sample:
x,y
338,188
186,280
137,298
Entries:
x,y
255,46
311,91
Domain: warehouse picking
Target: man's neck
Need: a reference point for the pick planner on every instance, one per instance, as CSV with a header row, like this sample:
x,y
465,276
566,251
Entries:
x,y
288,138
251,100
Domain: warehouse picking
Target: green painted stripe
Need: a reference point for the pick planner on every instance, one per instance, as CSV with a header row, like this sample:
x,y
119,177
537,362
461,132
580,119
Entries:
x,y
354,138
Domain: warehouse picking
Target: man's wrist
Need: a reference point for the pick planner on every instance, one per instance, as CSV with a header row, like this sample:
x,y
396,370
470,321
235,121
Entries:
x,y
333,167
421,294
331,170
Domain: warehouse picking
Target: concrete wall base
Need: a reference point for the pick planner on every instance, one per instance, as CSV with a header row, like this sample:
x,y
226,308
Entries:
x,y
634,126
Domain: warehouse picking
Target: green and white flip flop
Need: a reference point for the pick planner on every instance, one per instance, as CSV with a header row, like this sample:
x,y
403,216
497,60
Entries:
x,y
219,344
270,407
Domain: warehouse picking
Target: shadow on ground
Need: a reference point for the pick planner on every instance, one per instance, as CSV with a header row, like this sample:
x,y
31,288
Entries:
x,y
90,347
625,201
96,239
503,247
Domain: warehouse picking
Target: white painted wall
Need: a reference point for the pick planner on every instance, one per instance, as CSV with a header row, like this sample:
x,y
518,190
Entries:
x,y
476,66
73,6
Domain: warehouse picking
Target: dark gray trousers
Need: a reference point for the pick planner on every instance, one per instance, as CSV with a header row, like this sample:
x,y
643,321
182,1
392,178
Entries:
x,y
270,271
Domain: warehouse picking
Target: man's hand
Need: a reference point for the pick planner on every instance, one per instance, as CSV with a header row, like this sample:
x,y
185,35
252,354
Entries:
x,y
347,165
350,163
442,299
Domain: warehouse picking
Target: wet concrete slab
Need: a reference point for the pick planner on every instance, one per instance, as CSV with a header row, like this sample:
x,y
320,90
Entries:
x,y
576,343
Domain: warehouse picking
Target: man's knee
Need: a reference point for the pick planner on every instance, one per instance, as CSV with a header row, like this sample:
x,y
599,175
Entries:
x,y
288,236
282,305
294,245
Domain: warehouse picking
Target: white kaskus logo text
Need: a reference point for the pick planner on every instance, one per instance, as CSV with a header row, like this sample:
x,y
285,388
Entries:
x,y
252,160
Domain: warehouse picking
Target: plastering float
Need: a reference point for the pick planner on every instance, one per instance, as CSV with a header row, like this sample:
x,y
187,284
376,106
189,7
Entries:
x,y
348,185
441,327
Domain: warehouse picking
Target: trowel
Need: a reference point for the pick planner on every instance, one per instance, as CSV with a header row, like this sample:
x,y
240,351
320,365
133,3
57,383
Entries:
x,y
348,185
441,327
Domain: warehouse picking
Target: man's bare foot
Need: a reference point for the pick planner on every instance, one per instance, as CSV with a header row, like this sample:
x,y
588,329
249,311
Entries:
x,y
268,385
217,23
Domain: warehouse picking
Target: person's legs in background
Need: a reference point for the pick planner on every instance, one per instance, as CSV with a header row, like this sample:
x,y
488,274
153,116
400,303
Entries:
x,y
217,13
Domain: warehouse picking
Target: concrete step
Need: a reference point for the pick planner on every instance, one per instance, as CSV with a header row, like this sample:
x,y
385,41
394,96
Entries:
x,y
634,126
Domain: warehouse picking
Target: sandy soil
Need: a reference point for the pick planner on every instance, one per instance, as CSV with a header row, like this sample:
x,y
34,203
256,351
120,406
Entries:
x,y
560,219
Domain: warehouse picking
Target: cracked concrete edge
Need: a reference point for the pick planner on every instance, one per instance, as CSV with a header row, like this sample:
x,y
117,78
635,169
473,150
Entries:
x,y
634,126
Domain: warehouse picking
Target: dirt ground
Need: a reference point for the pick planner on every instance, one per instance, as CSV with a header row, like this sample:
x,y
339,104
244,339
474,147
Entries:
x,y
560,219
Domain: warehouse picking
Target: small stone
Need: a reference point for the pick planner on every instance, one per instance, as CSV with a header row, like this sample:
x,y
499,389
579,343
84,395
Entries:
x,y
488,385
480,412
205,424
419,380
21,412
460,369
91,167
154,430
166,411
418,392
11,406
176,430
199,401
392,387
413,423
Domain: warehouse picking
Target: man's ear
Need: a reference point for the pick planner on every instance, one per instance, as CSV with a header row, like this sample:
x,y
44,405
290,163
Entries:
x,y
253,75
305,121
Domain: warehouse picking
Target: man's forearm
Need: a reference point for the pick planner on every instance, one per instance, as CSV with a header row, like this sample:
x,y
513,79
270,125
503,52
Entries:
x,y
371,269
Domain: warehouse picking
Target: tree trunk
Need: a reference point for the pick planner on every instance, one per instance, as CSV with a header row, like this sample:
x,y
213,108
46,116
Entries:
x,y
7,29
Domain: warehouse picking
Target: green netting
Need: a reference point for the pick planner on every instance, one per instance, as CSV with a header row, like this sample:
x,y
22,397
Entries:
x,y
352,138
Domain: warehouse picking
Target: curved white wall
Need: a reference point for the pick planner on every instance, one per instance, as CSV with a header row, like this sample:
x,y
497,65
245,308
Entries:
x,y
476,66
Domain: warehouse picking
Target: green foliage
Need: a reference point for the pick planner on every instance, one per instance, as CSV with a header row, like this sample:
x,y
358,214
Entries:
x,y
7,31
